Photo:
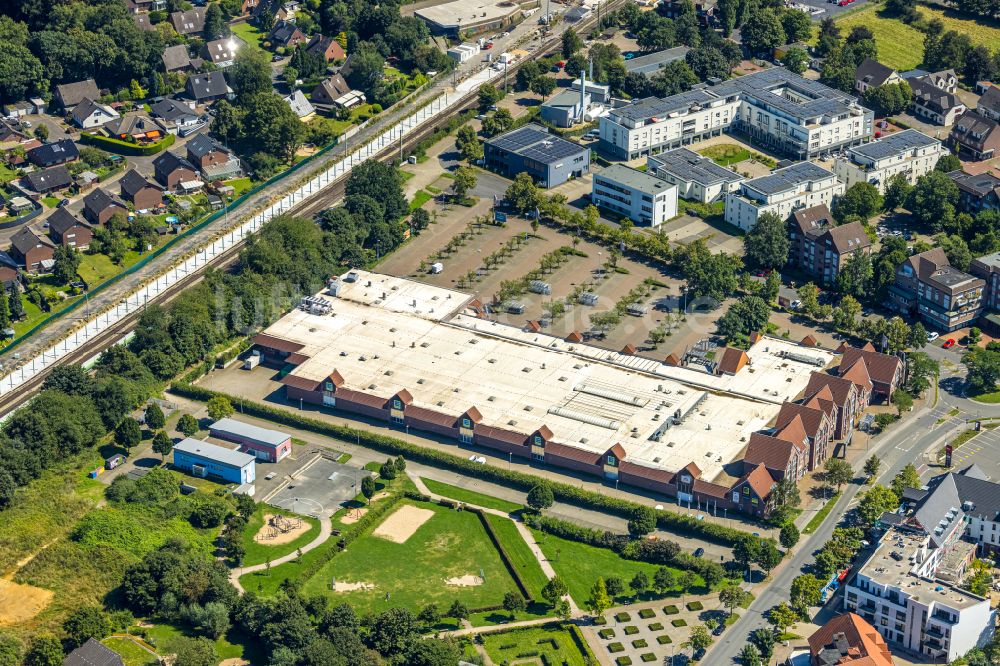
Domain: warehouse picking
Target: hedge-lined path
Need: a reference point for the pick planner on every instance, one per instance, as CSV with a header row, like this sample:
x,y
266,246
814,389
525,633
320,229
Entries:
x,y
562,510
325,530
543,562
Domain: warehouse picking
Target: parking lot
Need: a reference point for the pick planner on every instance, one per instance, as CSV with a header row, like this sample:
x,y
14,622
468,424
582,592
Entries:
x,y
319,488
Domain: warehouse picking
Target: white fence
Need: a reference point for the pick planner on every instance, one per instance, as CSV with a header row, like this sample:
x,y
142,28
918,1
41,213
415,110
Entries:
x,y
150,291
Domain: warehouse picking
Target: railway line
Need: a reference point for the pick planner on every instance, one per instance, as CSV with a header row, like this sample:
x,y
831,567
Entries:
x,y
310,206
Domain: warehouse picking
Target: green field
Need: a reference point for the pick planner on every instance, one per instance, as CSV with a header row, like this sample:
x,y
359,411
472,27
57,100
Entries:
x,y
726,154
524,561
580,565
249,33
257,552
229,646
132,653
450,544
548,644
470,496
901,46
420,198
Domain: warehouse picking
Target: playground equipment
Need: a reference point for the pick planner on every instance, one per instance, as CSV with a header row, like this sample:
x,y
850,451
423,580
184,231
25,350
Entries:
x,y
280,525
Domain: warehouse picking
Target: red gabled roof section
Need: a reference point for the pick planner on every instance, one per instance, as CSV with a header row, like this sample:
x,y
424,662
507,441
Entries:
x,y
759,479
618,451
628,349
278,344
574,336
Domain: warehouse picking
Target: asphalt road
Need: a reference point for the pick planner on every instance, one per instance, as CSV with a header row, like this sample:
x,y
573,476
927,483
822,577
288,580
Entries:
x,y
914,440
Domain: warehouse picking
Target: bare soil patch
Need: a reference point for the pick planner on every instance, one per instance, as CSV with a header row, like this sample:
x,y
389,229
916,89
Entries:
x,y
278,530
402,523
352,587
353,516
20,603
468,580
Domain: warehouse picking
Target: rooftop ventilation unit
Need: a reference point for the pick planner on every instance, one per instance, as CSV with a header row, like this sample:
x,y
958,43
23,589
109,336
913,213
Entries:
x,y
802,358
617,396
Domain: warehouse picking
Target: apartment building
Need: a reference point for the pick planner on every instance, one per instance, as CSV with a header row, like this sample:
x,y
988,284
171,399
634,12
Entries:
x,y
820,248
848,639
897,590
977,191
976,137
696,177
646,200
988,268
790,114
910,152
976,497
928,286
801,185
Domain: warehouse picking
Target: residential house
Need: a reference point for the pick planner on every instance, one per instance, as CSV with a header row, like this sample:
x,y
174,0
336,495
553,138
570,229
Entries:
x,y
93,653
706,10
825,390
974,495
68,95
11,135
287,11
818,426
872,74
89,114
49,180
989,103
976,137
286,34
327,92
820,248
945,80
137,127
143,21
222,52
176,59
327,48
300,105
248,6
885,372
141,193
848,639
208,87
53,154
910,153
171,170
215,160
177,116
988,268
784,453
977,191
31,251
66,229
191,22
99,207
933,103
928,286
801,185
10,276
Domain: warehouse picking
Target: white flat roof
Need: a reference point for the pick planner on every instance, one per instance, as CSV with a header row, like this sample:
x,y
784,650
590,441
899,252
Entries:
x,y
467,12
250,431
518,381
214,452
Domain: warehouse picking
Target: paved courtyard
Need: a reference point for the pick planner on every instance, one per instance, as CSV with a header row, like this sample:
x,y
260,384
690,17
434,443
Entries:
x,y
320,488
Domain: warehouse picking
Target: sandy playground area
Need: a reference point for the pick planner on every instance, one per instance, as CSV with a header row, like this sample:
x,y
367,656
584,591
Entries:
x,y
278,530
402,523
467,580
340,586
353,516
20,603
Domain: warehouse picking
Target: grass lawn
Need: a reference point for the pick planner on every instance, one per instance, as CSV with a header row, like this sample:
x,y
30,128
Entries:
x,y
450,544
579,565
420,198
32,315
470,496
725,154
257,552
131,652
229,646
549,644
821,515
989,398
239,185
51,202
520,555
249,33
6,174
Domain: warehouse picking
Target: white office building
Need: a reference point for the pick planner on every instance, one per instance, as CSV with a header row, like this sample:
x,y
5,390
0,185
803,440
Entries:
x,y
697,177
645,199
790,114
910,152
801,185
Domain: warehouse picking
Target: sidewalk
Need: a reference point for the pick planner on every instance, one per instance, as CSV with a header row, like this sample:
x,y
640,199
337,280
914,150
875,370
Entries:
x,y
325,530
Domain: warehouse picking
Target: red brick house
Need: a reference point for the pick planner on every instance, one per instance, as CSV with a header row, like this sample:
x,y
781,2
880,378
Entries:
x,y
31,251
143,194
99,206
849,399
753,493
170,170
326,47
67,229
785,453
885,371
817,424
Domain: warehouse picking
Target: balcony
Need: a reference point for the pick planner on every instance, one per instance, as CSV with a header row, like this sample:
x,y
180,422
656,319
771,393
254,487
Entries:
x,y
935,632
944,617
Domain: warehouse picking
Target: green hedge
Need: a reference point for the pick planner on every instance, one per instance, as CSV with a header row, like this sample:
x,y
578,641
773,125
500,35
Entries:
x,y
563,492
511,569
126,148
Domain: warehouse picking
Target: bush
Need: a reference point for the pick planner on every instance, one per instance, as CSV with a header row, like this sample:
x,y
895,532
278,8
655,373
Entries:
x,y
624,661
606,633
631,630
656,626
647,656
670,610
126,148
639,643
695,606
678,623
647,613
623,617
663,640
615,647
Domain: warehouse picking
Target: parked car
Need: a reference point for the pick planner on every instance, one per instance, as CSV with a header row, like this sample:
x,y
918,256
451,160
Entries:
x,y
63,202
270,475
698,552
932,336
949,343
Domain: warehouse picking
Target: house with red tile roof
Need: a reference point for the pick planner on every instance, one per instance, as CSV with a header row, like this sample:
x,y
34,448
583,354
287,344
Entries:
x,y
848,639
849,399
884,371
818,425
753,492
785,453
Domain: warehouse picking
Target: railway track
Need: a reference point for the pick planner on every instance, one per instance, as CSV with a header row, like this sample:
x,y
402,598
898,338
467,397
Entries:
x,y
310,207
